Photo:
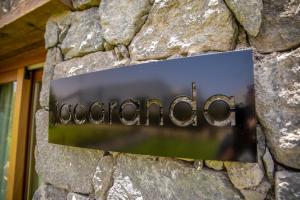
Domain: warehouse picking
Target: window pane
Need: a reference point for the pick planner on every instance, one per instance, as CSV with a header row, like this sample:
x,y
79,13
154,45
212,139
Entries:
x,y
7,94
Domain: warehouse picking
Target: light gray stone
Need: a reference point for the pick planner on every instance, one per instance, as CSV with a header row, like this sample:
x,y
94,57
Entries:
x,y
4,7
85,4
259,192
139,177
48,192
53,57
182,27
108,46
89,63
66,167
244,175
287,185
122,19
242,41
84,35
198,164
279,167
102,179
277,84
51,34
213,164
175,56
75,196
280,27
269,165
56,27
121,52
63,19
250,195
249,179
261,143
136,62
248,13
63,33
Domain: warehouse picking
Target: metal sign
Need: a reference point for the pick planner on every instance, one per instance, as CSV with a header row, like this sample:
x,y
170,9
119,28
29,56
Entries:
x,y
198,107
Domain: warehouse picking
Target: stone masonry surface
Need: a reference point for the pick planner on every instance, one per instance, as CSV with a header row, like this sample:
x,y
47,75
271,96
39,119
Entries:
x,y
105,34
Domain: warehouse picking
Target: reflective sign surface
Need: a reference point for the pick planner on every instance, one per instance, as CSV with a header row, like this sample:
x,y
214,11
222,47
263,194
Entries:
x,y
198,107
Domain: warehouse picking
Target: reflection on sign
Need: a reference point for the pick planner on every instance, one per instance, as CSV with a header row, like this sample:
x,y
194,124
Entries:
x,y
199,107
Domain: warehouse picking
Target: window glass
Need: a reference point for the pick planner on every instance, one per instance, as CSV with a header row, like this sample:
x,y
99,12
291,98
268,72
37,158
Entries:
x,y
7,96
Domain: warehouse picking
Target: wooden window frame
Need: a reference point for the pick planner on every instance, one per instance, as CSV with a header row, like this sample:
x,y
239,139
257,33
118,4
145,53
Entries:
x,y
19,137
8,77
20,130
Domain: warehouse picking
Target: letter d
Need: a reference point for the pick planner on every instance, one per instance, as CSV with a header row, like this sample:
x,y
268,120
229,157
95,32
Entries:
x,y
193,104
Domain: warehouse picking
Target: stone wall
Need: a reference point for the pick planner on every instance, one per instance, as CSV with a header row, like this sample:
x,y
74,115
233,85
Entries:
x,y
115,33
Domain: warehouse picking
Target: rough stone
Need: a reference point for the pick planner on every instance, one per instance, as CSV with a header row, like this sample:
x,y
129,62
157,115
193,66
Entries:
x,y
261,143
244,175
53,57
63,19
89,63
121,52
280,27
63,33
48,192
242,41
122,19
250,195
85,4
74,196
287,185
277,84
175,56
271,194
139,177
213,164
51,34
56,27
182,27
108,46
249,179
4,7
269,165
136,62
279,167
65,167
248,13
198,164
102,179
84,35
259,192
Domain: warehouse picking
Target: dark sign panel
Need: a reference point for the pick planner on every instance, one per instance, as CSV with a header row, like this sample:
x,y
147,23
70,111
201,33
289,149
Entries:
x,y
199,107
